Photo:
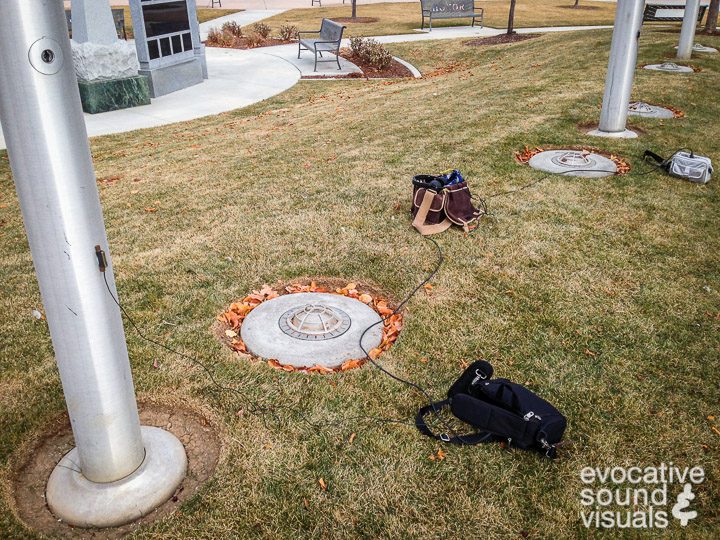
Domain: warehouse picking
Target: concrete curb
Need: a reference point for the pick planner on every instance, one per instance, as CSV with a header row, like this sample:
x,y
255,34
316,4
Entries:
x,y
415,71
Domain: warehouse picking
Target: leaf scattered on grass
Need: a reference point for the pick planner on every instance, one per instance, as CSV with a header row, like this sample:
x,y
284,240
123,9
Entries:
x,y
323,485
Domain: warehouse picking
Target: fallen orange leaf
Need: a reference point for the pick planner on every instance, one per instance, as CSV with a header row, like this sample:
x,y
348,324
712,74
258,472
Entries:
x,y
323,485
352,438
374,353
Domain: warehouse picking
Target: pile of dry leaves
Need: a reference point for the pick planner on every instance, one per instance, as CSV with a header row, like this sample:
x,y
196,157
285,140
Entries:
x,y
233,318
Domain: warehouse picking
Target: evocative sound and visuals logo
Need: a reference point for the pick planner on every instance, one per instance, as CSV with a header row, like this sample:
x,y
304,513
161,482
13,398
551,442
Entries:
x,y
638,498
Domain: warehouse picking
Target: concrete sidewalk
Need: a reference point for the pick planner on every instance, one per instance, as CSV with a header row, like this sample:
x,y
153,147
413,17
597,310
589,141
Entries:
x,y
239,78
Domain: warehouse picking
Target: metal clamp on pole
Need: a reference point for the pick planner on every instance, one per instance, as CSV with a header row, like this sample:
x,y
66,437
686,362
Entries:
x,y
118,471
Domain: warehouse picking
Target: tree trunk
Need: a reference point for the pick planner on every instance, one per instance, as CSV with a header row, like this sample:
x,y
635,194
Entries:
x,y
511,18
712,17
354,8
577,3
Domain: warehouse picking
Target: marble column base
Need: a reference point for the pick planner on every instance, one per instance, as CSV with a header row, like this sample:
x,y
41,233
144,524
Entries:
x,y
113,94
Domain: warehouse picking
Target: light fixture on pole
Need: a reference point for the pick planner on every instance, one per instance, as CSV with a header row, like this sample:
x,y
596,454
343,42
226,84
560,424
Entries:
x,y
118,470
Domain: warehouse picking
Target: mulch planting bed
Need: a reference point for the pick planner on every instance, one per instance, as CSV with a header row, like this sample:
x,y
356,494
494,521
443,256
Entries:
x,y
502,38
247,43
394,71
356,20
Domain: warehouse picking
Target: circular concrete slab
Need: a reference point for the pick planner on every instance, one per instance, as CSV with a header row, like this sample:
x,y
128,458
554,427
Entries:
x,y
640,108
703,49
308,329
669,67
573,163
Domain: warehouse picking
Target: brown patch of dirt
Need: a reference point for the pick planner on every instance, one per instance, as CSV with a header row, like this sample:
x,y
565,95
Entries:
x,y
585,8
227,327
500,39
39,456
247,43
523,156
356,20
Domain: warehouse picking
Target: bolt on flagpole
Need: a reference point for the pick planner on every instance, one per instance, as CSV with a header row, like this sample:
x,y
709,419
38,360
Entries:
x,y
621,70
687,32
118,471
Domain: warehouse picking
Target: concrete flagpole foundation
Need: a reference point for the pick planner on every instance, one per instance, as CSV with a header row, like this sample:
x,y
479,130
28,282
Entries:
x,y
118,471
687,32
621,70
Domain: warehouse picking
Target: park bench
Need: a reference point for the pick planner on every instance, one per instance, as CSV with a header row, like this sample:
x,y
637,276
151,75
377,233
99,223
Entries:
x,y
450,9
330,36
118,17
669,10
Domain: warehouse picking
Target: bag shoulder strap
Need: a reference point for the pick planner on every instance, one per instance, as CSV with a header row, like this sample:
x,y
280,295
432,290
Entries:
x,y
659,161
469,439
419,221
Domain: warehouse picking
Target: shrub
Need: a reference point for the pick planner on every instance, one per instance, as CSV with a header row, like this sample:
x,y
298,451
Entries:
x,y
218,38
254,40
288,32
262,29
232,28
357,45
370,51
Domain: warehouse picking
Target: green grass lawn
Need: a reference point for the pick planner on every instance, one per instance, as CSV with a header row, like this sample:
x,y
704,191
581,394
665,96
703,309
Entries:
x,y
404,18
602,295
204,14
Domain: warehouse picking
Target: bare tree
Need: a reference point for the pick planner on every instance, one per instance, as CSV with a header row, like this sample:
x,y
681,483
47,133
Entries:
x,y
511,18
577,3
354,9
712,17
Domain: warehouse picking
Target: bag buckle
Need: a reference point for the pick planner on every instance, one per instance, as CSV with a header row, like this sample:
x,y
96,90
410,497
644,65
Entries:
x,y
478,377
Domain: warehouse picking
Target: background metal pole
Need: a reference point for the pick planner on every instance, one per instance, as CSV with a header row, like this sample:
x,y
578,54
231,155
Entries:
x,y
621,67
118,470
687,33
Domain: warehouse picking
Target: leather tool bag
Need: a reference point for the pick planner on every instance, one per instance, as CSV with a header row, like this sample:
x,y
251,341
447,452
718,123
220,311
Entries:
x,y
500,410
441,201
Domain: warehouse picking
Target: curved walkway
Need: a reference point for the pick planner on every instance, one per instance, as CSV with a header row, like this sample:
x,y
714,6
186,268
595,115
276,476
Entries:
x,y
239,78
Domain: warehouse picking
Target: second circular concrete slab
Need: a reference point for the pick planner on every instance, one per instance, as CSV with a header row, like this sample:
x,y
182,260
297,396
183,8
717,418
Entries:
x,y
307,329
573,163
645,110
669,67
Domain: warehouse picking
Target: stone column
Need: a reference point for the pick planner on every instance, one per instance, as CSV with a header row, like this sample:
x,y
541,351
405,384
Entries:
x,y
92,21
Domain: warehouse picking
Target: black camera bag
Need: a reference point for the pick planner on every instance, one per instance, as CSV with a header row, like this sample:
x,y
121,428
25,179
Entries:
x,y
501,410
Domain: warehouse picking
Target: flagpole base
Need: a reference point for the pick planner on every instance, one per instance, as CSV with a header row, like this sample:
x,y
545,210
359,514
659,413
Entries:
x,y
79,502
